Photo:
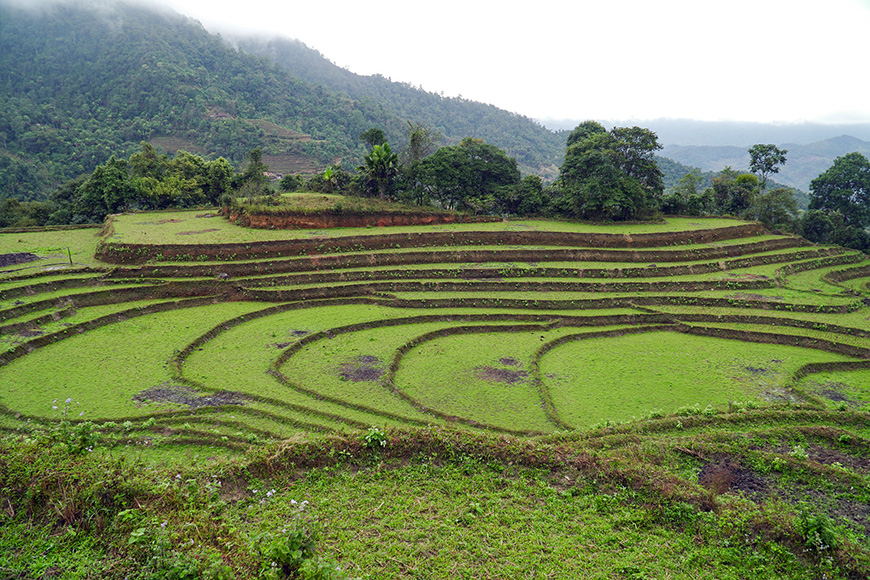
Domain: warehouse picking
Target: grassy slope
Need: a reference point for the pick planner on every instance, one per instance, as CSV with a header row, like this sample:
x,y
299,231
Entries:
x,y
704,487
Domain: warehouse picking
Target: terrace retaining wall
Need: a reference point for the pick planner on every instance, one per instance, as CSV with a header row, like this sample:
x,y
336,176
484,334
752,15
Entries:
x,y
119,253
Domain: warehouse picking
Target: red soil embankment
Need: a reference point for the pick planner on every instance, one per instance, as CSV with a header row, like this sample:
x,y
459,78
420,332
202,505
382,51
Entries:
x,y
291,221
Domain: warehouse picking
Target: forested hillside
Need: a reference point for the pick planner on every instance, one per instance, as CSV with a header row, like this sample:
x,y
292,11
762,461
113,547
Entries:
x,y
78,85
536,148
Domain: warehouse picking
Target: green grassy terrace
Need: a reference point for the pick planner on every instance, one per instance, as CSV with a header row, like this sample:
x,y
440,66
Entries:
x,y
525,398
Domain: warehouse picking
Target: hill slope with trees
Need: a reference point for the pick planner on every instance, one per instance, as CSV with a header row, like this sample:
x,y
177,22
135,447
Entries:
x,y
79,84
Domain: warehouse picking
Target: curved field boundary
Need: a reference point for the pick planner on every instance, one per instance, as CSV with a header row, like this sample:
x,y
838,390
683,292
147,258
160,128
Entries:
x,y
772,321
829,367
826,262
546,400
33,344
355,260
38,321
119,253
619,302
370,288
45,273
472,273
32,289
546,396
346,261
847,274
289,220
739,335
783,339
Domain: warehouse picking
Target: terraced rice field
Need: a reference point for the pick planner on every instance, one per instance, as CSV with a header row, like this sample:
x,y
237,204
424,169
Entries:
x,y
187,330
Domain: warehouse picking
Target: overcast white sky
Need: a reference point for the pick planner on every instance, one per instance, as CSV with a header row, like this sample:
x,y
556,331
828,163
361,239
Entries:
x,y
612,60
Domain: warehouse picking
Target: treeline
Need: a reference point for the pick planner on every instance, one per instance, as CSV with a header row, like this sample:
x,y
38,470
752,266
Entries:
x,y
147,180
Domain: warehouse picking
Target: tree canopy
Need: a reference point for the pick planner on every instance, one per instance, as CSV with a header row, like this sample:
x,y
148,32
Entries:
x,y
611,175
844,188
766,160
465,176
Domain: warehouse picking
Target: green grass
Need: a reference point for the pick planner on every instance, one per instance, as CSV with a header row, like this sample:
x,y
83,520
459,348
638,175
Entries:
x,y
624,378
102,369
184,227
53,246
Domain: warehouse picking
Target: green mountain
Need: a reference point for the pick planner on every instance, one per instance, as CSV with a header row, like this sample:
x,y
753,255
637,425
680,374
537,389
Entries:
x,y
79,83
536,148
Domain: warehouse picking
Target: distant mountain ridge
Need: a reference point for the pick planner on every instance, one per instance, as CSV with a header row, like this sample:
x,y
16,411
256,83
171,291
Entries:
x,y
803,162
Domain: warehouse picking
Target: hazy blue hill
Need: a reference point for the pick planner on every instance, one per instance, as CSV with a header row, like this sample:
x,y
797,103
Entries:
x,y
804,162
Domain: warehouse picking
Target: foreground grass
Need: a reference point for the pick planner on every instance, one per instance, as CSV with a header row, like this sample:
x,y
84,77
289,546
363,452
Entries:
x,y
435,503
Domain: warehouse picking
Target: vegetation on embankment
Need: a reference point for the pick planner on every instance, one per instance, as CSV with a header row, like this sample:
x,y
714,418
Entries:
x,y
750,493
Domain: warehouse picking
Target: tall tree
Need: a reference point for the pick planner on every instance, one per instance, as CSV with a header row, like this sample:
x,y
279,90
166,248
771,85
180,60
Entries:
x,y
465,176
613,175
765,160
381,166
422,142
844,188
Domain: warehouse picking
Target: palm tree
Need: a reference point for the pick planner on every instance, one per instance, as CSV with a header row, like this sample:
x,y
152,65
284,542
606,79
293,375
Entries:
x,y
381,166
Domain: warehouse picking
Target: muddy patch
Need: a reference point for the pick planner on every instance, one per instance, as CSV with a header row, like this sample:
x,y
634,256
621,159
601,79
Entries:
x,y
364,368
30,332
754,297
16,258
181,395
509,361
497,375
728,476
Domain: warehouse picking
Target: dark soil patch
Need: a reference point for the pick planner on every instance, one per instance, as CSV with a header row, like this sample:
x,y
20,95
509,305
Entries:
x,y
726,475
509,361
756,297
830,456
299,333
363,369
30,332
494,375
190,233
172,221
16,258
206,215
833,391
182,395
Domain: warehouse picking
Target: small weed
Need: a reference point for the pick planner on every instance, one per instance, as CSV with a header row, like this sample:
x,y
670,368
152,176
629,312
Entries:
x,y
375,439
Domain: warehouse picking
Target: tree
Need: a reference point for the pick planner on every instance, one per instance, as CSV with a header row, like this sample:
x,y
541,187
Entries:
x,y
777,209
465,176
686,199
373,137
422,141
381,166
733,191
844,188
583,131
611,176
291,182
765,161
253,180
